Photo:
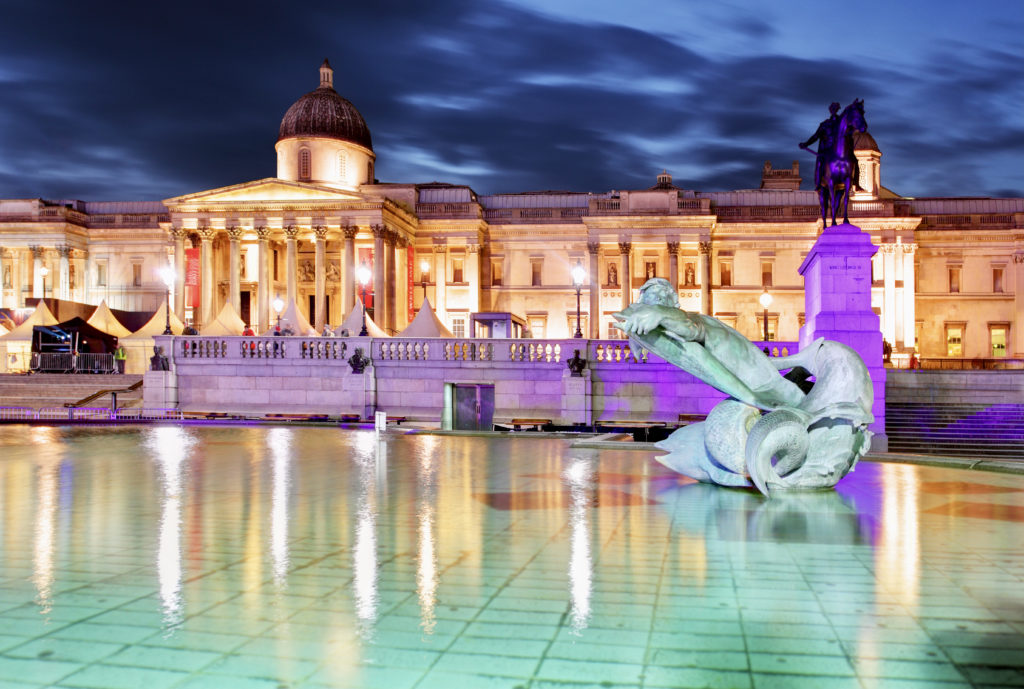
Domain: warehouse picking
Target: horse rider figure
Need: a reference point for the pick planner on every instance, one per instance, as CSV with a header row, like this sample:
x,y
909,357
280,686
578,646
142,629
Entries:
x,y
825,135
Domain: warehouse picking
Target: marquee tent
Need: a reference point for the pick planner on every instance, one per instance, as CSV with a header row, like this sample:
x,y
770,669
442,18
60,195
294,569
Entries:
x,y
103,319
16,346
227,322
426,324
353,324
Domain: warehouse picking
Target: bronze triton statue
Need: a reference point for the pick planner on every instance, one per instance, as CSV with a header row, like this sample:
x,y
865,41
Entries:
x,y
835,167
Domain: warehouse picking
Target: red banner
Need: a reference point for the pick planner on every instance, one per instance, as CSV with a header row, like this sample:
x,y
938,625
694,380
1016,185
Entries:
x,y
192,277
365,258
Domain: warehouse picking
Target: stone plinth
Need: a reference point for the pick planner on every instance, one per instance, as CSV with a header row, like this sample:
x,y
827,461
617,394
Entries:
x,y
160,390
361,391
576,398
837,293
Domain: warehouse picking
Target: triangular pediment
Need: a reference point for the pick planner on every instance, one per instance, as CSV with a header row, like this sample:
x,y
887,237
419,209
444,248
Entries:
x,y
269,190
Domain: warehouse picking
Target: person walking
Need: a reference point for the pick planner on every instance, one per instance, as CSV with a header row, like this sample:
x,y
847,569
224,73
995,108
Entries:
x,y
120,356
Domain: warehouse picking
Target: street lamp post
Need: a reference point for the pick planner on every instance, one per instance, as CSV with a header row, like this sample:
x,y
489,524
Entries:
x,y
167,275
577,279
278,308
363,275
766,301
44,271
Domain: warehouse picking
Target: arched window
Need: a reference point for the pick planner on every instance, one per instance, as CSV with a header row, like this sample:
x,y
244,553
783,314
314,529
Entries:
x,y
342,165
304,165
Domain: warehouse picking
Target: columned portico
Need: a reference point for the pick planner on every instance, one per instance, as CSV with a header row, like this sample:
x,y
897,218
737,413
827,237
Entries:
x,y
348,276
378,273
440,279
594,291
37,272
234,268
178,235
291,234
704,248
473,273
206,235
909,294
627,274
64,273
263,287
673,265
319,277
1018,302
389,283
889,292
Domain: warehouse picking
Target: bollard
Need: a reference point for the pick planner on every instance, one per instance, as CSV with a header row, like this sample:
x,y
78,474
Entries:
x,y
380,421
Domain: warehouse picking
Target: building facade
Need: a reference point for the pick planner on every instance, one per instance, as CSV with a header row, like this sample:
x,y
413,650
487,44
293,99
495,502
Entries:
x,y
948,279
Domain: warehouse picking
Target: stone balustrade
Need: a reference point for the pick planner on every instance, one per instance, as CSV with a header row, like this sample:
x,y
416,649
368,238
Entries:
x,y
407,377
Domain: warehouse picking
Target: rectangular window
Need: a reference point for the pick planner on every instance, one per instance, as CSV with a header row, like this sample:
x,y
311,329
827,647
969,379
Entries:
x,y
424,276
954,340
725,273
537,327
136,275
766,274
572,324
773,322
997,336
954,280
496,273
457,270
101,274
459,327
997,280
535,271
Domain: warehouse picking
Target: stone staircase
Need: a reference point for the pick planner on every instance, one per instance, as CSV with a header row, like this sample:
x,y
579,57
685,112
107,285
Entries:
x,y
42,390
991,431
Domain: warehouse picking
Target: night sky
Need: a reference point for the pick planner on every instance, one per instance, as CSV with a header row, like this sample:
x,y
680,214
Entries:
x,y
144,101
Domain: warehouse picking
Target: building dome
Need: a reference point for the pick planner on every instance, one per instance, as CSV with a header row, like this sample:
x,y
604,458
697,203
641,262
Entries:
x,y
863,141
324,114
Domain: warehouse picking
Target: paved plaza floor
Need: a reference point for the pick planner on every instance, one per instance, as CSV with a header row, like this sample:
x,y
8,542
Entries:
x,y
275,557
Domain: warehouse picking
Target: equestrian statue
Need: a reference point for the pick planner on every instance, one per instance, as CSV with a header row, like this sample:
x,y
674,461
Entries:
x,y
835,166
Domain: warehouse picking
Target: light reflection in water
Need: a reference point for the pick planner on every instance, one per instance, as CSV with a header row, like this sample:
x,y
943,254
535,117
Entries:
x,y
280,442
171,446
898,558
426,573
45,532
364,564
578,476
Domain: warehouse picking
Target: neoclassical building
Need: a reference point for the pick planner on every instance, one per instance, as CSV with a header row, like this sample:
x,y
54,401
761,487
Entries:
x,y
948,278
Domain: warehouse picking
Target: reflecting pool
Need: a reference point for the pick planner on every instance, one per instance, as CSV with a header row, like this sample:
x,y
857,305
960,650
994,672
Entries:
x,y
313,557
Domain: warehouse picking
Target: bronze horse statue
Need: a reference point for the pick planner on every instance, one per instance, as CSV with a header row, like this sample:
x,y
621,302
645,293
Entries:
x,y
837,163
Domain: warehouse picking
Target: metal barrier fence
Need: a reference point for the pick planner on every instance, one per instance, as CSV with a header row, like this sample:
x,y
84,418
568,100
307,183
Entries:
x,y
79,414
69,362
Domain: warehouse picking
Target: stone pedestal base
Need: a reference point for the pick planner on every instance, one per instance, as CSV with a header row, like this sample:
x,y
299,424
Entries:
x,y
837,294
361,392
160,390
576,399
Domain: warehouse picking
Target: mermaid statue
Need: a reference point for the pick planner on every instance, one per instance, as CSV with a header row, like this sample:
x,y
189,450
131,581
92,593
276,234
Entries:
x,y
777,432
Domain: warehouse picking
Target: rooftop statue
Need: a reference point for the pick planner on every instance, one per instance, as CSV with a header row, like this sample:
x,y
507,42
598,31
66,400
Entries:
x,y
770,432
835,165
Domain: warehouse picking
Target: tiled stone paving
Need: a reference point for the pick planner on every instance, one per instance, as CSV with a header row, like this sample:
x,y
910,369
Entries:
x,y
314,557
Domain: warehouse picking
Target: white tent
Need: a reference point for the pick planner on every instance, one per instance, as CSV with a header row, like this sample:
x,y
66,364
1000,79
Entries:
x,y
3,330
227,322
103,320
293,317
426,324
139,345
354,324
16,346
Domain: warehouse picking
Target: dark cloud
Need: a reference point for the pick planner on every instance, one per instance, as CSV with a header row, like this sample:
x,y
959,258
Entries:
x,y
108,102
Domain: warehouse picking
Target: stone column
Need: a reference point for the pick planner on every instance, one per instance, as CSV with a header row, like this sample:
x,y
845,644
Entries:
x,y
320,277
378,275
64,288
291,234
38,285
441,282
626,274
390,277
16,278
234,268
263,286
909,296
401,283
206,235
593,248
348,275
178,234
473,271
889,292
673,265
705,277
1017,328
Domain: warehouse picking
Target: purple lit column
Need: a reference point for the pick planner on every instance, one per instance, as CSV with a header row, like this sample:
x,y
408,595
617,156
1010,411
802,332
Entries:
x,y
595,291
626,277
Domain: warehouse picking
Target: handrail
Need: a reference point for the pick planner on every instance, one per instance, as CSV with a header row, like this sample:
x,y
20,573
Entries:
x,y
131,388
